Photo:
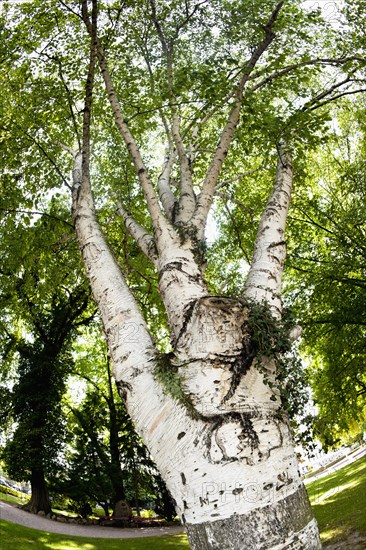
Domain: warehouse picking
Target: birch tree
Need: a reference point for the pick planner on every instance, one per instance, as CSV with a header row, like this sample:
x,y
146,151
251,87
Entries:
x,y
221,81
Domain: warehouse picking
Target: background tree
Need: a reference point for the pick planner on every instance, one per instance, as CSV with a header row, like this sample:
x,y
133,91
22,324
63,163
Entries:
x,y
101,420
43,302
107,461
327,276
221,81
32,451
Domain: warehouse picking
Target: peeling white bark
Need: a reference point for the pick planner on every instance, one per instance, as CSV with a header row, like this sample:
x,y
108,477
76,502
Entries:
x,y
264,279
232,458
228,457
180,281
152,202
187,199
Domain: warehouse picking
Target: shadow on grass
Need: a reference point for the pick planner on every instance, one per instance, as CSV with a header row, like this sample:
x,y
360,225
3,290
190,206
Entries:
x,y
339,501
17,537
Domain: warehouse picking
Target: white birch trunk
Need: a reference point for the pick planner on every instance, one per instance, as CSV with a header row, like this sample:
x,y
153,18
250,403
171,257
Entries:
x,y
264,279
226,455
223,446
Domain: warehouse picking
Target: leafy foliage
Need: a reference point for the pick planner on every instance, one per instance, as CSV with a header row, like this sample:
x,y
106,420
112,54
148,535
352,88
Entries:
x,y
271,340
44,299
36,398
106,460
10,491
327,284
42,69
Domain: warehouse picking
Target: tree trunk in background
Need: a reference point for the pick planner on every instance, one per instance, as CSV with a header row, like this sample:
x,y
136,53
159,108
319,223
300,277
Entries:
x,y
115,471
116,477
135,477
40,500
105,507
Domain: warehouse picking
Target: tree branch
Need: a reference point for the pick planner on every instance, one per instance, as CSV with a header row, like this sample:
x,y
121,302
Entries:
x,y
95,385
187,199
205,198
229,197
325,93
37,213
310,221
66,148
236,230
335,322
189,16
142,237
238,177
69,101
350,92
67,7
166,195
123,128
265,275
50,159
294,66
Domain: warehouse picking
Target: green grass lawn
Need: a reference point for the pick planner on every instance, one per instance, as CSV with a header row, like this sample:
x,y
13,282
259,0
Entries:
x,y
16,537
338,502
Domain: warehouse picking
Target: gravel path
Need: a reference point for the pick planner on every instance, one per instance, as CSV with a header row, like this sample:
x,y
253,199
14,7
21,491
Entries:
x,y
11,513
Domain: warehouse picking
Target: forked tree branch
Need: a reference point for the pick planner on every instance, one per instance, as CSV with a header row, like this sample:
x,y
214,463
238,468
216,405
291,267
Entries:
x,y
222,184
66,148
318,61
338,96
315,100
268,79
187,199
208,190
157,217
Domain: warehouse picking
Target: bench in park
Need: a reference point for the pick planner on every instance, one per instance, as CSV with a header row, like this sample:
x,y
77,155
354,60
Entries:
x,y
139,521
123,521
134,521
